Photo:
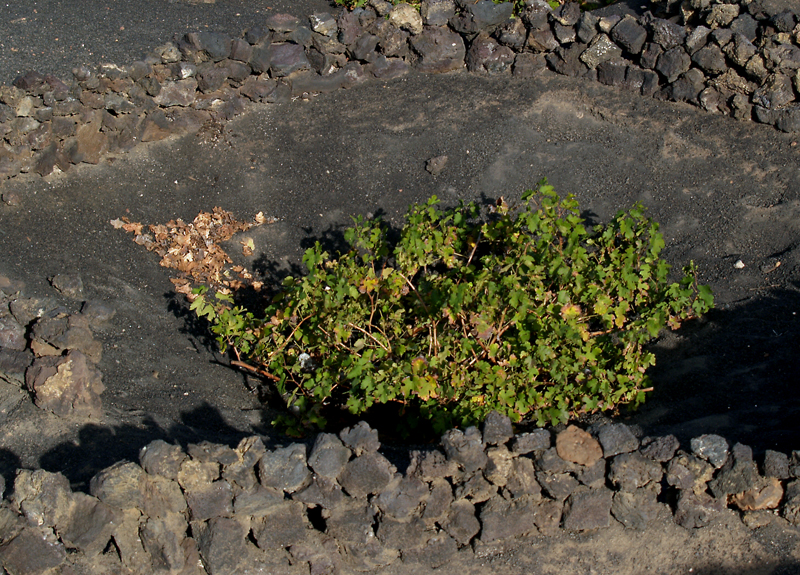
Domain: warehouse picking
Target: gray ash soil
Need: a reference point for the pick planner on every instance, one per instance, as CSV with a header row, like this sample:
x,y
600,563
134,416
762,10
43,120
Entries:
x,y
722,190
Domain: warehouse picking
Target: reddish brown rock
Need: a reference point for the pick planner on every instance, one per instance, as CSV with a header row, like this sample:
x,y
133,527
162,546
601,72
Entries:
x,y
578,446
766,494
88,145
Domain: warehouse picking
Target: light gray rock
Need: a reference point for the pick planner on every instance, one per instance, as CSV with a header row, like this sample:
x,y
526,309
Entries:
x,y
712,448
285,469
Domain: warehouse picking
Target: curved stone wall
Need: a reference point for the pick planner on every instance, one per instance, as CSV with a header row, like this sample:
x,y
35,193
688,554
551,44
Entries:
x,y
339,504
740,58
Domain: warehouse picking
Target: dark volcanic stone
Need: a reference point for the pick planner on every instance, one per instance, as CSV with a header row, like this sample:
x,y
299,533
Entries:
x,y
660,449
260,58
497,429
712,448
522,478
366,475
223,545
43,498
745,25
667,34
594,475
487,56
696,510
210,77
349,27
257,88
501,519
392,42
437,12
766,9
688,472
118,485
364,48
162,537
462,525
549,461
588,509
650,55
439,49
587,27
401,534
710,59
285,59
512,34
738,474
600,50
280,526
29,552
785,21
15,362
542,40
672,63
285,469
430,465
636,509
322,491
360,438
775,93
567,61
558,486
687,88
629,34
482,16
351,522
160,458
465,448
215,44
439,500
564,34
241,50
328,456
401,500
258,500
242,472
567,14
210,500
477,489
537,440
611,73
696,39
616,438
791,503
630,471
788,119
740,50
90,525
66,385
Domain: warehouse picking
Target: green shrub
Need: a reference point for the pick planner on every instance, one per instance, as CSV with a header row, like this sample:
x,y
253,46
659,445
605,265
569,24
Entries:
x,y
519,310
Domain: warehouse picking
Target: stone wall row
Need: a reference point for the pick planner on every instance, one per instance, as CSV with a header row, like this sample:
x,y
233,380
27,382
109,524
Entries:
x,y
739,58
339,505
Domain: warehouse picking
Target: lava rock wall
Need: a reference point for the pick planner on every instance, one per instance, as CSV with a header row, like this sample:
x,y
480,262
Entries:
x,y
339,504
740,58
